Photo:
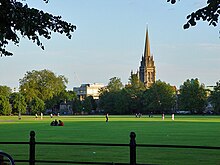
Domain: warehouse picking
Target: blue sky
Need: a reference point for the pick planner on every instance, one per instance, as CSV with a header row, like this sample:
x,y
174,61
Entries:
x,y
109,42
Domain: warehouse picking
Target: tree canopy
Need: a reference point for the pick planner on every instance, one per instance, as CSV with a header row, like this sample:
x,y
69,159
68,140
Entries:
x,y
18,103
43,84
193,96
215,97
5,108
114,84
16,17
159,98
5,91
209,13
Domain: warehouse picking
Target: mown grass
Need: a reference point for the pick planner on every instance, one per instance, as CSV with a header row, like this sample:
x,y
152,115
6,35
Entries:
x,y
185,130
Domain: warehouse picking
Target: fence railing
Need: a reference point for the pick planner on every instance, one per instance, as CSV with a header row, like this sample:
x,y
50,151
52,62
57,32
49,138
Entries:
x,y
132,145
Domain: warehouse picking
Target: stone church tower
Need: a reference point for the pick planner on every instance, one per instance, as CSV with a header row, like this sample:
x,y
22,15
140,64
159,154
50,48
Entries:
x,y
147,71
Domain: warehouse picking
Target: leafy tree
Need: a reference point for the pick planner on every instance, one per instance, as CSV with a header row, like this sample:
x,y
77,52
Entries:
x,y
87,104
32,23
5,108
192,96
18,103
64,96
5,91
124,103
115,99
135,83
159,98
77,106
37,106
215,97
68,95
209,13
110,96
106,101
43,84
133,99
134,91
115,102
114,84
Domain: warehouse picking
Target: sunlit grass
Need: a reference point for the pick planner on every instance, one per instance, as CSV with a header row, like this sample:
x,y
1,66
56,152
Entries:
x,y
185,130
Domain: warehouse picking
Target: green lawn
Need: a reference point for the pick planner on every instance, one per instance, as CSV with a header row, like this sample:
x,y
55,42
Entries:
x,y
185,130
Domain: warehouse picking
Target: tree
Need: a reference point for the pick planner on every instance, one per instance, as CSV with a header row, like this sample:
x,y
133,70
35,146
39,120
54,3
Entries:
x,y
55,101
18,103
193,96
114,84
5,91
5,108
128,102
77,106
113,102
110,96
215,97
37,106
87,104
209,13
135,83
134,91
43,84
159,98
32,23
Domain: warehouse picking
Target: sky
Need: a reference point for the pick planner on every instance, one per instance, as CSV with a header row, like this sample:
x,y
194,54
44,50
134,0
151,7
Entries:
x,y
109,42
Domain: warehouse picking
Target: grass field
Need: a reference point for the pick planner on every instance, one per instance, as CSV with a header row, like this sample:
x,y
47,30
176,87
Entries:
x,y
185,130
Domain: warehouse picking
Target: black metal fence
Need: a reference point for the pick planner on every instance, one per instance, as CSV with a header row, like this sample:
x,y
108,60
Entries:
x,y
132,145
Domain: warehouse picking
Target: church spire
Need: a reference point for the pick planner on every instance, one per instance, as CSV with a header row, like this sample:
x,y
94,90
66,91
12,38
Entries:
x,y
147,46
147,71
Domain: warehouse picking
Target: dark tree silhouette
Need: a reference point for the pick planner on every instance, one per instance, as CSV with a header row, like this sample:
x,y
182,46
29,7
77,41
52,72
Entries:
x,y
16,17
209,13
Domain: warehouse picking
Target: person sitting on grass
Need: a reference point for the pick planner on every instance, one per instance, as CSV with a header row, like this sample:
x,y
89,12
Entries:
x,y
60,123
54,123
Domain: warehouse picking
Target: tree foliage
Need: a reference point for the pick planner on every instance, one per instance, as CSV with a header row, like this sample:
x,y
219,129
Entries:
x,y
209,13
37,106
5,91
112,99
114,84
64,96
114,102
135,98
193,96
215,97
16,17
18,103
159,98
135,83
87,104
43,84
5,108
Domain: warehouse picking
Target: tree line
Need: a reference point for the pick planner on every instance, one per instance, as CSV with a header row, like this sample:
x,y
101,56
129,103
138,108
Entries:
x,y
161,97
40,91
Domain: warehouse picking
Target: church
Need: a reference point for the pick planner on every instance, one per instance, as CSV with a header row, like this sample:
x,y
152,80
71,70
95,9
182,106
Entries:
x,y
147,69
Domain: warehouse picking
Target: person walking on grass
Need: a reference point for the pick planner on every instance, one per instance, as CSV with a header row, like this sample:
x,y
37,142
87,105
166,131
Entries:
x,y
106,117
173,116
